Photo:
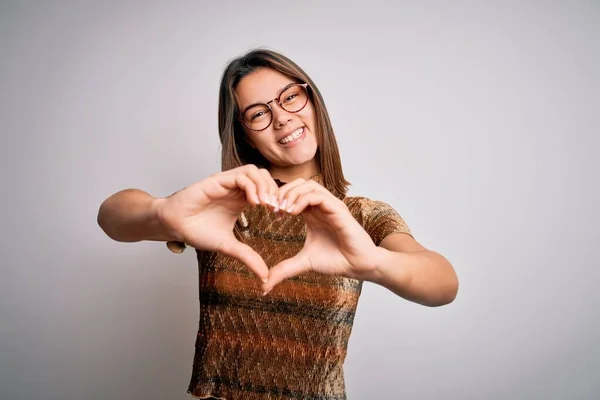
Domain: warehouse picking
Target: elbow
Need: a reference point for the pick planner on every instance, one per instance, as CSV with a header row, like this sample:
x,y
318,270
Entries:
x,y
102,220
441,300
444,294
106,221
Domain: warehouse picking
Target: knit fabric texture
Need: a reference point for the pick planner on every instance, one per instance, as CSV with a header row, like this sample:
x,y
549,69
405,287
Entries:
x,y
291,343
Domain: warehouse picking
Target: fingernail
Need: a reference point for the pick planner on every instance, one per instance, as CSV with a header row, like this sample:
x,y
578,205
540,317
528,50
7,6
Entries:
x,y
265,280
265,198
290,208
275,203
283,204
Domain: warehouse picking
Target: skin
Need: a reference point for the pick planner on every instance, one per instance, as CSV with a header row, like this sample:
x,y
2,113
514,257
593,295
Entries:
x,y
336,244
288,162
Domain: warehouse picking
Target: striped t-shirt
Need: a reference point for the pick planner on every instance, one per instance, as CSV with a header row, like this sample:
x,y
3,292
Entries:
x,y
291,343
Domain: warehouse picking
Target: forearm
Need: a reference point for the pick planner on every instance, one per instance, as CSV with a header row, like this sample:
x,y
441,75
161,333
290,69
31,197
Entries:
x,y
131,216
424,277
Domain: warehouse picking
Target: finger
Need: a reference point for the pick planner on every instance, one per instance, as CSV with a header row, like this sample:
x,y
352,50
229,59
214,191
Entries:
x,y
246,255
248,186
292,195
237,179
262,187
286,269
327,203
290,185
285,189
295,193
273,189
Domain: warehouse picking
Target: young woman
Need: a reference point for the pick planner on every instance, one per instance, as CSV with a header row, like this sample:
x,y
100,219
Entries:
x,y
282,251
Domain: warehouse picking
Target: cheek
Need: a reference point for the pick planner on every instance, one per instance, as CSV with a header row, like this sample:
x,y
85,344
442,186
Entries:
x,y
259,141
256,139
309,117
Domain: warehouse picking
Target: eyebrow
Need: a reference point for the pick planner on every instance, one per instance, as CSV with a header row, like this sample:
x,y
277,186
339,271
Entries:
x,y
259,103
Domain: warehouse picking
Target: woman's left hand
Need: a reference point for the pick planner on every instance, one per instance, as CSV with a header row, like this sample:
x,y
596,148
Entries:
x,y
336,244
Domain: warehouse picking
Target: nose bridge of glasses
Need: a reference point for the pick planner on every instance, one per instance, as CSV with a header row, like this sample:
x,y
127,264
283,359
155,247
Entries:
x,y
280,112
276,100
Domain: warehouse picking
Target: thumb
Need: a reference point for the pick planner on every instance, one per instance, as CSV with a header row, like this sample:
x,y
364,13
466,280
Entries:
x,y
246,255
286,269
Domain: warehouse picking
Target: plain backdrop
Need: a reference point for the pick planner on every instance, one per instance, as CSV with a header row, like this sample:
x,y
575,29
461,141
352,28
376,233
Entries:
x,y
478,121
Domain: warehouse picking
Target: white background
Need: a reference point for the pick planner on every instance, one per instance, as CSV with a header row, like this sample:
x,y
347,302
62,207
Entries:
x,y
478,121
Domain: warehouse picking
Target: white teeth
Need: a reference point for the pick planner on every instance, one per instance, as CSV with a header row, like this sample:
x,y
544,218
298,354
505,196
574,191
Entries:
x,y
295,135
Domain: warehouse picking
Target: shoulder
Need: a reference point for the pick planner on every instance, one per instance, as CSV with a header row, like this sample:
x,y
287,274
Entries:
x,y
377,217
365,207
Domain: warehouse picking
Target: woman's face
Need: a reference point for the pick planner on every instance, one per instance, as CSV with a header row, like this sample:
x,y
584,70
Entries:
x,y
290,141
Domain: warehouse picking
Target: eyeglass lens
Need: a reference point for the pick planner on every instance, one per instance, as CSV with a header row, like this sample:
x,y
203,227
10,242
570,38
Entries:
x,y
293,99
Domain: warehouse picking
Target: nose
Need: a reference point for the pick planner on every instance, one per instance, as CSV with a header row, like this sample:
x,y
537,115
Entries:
x,y
280,116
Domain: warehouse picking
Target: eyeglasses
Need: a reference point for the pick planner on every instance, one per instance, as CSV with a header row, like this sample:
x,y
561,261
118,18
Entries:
x,y
259,116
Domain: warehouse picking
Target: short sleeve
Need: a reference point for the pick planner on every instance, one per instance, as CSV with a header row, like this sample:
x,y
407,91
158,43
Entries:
x,y
380,219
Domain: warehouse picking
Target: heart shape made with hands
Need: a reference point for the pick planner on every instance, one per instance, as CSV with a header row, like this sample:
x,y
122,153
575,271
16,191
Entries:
x,y
336,244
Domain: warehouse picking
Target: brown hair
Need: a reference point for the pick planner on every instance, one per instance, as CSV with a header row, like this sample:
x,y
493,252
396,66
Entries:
x,y
237,151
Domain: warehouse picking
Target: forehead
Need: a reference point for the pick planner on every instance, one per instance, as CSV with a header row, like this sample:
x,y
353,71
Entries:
x,y
261,85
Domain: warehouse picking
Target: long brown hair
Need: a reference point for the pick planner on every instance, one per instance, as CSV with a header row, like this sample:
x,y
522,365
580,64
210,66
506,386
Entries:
x,y
237,151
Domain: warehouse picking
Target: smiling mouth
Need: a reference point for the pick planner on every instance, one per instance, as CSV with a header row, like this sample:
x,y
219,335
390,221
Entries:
x,y
295,135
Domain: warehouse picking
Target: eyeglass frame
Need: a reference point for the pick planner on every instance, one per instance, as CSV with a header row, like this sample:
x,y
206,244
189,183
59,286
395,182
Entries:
x,y
268,104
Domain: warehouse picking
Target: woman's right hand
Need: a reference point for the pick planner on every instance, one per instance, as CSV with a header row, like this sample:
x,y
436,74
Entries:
x,y
203,215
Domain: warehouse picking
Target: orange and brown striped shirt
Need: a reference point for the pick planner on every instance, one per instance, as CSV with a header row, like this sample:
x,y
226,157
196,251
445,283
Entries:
x,y
290,344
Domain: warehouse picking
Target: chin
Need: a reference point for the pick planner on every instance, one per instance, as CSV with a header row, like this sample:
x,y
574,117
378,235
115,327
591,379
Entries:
x,y
303,157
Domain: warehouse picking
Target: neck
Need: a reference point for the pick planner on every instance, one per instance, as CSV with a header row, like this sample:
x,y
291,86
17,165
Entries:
x,y
290,173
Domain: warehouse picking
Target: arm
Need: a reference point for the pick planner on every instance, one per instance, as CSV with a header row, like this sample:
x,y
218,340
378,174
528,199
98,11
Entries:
x,y
131,216
202,215
338,244
408,269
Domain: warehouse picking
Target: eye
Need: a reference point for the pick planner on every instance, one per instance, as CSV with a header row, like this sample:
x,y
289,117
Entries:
x,y
290,97
256,112
257,115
